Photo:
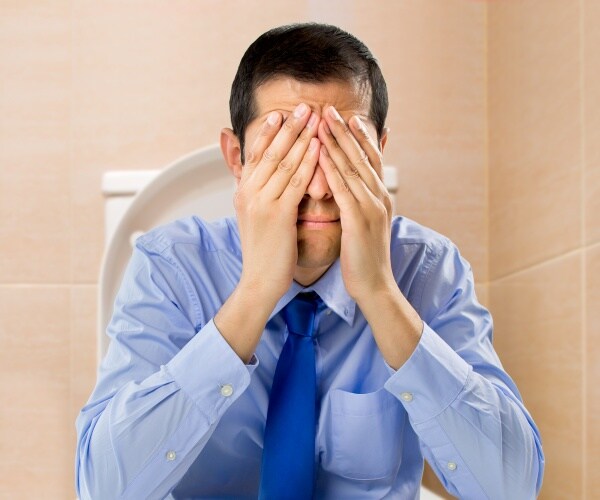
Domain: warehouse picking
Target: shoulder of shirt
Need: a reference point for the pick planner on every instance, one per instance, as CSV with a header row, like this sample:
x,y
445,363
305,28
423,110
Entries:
x,y
406,231
218,235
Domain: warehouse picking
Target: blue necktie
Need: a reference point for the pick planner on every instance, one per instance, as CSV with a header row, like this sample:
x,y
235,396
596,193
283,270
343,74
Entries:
x,y
288,461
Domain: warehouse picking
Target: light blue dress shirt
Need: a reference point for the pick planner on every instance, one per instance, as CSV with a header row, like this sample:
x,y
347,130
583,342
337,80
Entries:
x,y
177,414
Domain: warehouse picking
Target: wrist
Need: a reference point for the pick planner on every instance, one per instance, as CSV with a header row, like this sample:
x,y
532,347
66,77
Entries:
x,y
259,292
371,296
396,325
242,319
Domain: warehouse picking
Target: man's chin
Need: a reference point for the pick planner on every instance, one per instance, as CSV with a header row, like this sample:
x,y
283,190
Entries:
x,y
316,252
311,267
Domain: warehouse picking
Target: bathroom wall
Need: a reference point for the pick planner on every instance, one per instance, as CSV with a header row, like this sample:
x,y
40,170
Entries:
x,y
544,224
87,87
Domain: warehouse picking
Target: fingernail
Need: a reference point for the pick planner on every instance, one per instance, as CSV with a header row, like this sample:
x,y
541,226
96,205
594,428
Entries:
x,y
359,123
334,114
313,120
300,110
273,118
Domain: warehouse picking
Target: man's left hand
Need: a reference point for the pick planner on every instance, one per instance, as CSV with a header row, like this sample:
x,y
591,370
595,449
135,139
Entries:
x,y
353,166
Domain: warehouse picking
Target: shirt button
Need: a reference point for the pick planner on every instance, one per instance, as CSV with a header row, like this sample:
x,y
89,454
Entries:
x,y
406,396
451,466
171,455
226,390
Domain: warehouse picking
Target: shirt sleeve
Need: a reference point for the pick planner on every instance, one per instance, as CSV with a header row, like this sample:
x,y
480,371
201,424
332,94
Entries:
x,y
473,427
161,390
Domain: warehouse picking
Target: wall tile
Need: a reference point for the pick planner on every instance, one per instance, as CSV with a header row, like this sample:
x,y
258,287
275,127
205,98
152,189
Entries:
x,y
537,316
592,202
534,132
141,101
35,64
82,354
482,291
591,116
117,126
35,425
592,364
438,120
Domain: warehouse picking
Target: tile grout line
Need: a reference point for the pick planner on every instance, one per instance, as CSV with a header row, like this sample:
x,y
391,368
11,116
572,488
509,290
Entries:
x,y
486,140
47,285
71,211
549,260
583,265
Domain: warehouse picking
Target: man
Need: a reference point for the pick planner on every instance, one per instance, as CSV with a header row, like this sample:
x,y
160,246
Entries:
x,y
210,388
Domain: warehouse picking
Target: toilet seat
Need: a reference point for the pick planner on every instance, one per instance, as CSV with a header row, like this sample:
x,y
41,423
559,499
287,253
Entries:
x,y
198,183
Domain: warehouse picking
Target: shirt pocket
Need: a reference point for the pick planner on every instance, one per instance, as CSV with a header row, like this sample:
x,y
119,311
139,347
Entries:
x,y
366,434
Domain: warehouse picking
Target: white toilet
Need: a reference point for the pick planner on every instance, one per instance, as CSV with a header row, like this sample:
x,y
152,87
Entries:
x,y
136,201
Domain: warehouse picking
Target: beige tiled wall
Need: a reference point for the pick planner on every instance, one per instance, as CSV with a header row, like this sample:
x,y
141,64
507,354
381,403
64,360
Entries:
x,y
544,232
87,87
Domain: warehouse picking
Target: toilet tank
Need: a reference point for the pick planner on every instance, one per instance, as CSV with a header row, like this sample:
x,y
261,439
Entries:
x,y
119,187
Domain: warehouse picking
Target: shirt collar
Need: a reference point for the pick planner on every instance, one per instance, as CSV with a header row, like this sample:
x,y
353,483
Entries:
x,y
330,288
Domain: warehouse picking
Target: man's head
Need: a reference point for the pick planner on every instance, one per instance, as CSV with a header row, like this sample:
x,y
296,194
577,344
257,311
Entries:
x,y
320,66
312,53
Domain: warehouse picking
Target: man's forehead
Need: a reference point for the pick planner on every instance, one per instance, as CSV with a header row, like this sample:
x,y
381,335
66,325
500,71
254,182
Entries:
x,y
285,93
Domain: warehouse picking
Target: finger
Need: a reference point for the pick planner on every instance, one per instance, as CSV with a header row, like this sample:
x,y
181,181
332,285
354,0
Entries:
x,y
367,143
298,183
352,161
287,167
349,173
268,130
277,150
340,189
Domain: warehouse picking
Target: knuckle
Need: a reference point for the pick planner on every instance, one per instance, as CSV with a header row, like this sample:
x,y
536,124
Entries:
x,y
387,202
250,156
351,170
296,180
363,160
284,166
269,155
381,208
288,126
346,130
344,185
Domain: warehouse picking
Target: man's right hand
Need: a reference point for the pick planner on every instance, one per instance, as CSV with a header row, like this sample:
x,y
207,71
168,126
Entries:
x,y
279,166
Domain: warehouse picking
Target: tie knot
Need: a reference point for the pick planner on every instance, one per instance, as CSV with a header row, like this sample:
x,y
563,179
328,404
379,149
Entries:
x,y
300,314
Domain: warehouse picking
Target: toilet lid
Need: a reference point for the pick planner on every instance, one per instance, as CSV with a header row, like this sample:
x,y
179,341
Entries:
x,y
196,184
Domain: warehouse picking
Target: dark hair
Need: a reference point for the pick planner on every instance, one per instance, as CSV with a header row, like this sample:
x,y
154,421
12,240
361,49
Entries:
x,y
308,52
